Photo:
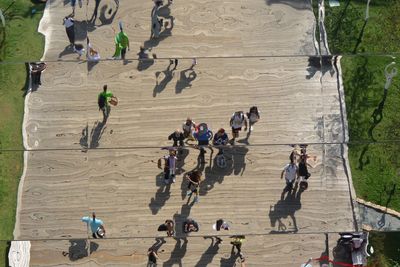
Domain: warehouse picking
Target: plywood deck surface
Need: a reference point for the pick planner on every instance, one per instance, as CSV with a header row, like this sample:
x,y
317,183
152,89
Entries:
x,y
77,165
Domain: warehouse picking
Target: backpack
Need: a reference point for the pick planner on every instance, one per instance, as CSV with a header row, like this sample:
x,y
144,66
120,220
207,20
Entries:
x,y
101,101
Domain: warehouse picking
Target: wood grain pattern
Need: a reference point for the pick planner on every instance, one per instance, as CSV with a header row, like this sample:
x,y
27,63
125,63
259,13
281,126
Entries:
x,y
76,165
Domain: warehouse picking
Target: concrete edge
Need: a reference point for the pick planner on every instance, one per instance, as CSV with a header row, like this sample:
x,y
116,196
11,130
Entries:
x,y
378,207
43,29
345,141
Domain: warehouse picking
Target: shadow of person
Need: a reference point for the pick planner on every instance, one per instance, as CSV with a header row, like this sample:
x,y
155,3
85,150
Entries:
x,y
108,12
215,174
96,133
239,159
168,75
177,253
77,249
231,261
208,255
164,11
321,64
68,50
91,64
157,245
180,218
199,167
342,253
80,29
162,195
286,207
84,141
186,77
182,154
95,12
144,64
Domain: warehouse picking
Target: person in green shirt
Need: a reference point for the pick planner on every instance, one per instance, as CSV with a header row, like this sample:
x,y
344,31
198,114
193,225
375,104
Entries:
x,y
121,44
103,102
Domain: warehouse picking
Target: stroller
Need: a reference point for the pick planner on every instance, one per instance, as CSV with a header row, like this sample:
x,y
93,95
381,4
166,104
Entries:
x,y
353,246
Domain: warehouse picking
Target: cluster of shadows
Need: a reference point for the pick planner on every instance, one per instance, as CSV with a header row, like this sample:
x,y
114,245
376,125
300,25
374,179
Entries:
x,y
186,77
79,249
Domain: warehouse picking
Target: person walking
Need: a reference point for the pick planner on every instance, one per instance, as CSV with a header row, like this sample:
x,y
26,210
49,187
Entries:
x,y
291,173
237,242
96,226
69,23
103,102
121,44
237,121
253,115
194,179
178,137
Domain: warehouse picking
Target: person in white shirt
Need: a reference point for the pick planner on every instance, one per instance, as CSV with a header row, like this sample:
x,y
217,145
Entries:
x,y
92,54
291,173
69,22
238,120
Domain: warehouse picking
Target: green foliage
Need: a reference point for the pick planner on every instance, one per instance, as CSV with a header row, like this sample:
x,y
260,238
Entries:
x,y
19,41
385,244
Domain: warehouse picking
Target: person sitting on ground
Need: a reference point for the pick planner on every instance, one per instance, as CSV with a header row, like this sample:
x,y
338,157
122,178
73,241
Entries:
x,y
218,225
194,179
237,121
188,126
177,136
253,115
96,226
92,54
190,225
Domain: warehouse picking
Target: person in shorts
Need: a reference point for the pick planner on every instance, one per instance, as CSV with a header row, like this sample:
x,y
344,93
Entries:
x,y
237,121
96,226
103,102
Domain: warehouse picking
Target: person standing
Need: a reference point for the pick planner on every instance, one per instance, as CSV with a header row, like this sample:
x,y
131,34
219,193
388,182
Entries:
x,y
194,179
253,115
237,242
203,135
169,166
121,44
188,126
177,136
103,102
237,121
291,173
69,23
96,226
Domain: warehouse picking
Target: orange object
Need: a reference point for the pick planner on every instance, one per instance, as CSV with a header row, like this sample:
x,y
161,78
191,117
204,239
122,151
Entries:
x,y
114,101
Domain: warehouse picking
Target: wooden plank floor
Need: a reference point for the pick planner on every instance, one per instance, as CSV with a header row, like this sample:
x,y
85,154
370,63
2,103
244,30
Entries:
x,y
77,165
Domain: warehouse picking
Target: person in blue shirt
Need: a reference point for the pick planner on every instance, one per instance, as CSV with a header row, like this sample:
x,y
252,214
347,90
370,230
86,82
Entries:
x,y
203,135
96,226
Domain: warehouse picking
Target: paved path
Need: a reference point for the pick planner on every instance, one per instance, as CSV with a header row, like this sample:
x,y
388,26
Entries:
x,y
118,176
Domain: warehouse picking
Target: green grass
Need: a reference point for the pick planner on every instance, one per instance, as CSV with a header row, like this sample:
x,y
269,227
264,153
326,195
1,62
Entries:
x,y
373,118
375,167
19,42
385,243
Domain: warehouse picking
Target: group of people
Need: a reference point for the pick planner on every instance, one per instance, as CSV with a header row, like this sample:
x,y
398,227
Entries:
x,y
296,171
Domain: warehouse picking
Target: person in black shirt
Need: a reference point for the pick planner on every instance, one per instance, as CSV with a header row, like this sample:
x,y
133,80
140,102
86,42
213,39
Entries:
x,y
177,136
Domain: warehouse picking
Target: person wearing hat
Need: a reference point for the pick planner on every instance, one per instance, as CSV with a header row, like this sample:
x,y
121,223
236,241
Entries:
x,y
96,226
218,225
